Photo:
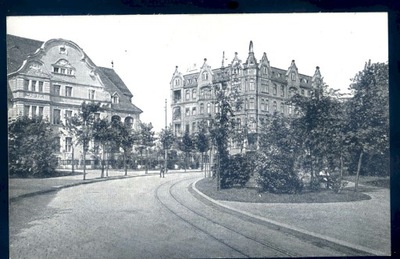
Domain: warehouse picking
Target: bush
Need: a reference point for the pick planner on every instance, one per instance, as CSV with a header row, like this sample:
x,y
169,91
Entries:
x,y
235,171
32,144
275,175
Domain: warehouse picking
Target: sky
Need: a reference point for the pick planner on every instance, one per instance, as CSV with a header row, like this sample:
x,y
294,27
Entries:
x,y
146,48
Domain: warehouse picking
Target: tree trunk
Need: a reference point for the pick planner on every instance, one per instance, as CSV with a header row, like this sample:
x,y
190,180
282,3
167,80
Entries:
x,y
73,160
84,160
125,164
358,170
186,156
102,163
341,165
147,161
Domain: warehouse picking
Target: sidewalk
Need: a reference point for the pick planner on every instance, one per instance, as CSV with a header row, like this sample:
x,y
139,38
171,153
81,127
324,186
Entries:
x,y
362,225
25,187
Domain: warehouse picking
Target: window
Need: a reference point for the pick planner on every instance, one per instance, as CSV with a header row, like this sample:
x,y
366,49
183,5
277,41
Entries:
x,y
274,107
194,92
33,86
239,123
251,103
56,116
91,94
63,50
193,126
187,96
267,105
265,69
202,93
40,86
282,108
68,91
40,111
282,91
293,76
290,109
26,84
177,82
208,108
275,90
201,108
302,91
262,105
205,76
68,144
187,111
115,99
217,108
187,127
252,86
56,70
26,110
194,111
34,111
57,90
97,116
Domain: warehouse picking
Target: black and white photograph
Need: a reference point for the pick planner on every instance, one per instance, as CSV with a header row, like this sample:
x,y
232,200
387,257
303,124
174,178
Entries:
x,y
251,135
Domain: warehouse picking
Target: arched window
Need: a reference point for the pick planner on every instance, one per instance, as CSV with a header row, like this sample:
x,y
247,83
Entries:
x,y
275,107
267,105
177,82
275,89
282,91
187,95
216,108
194,93
293,76
252,88
282,108
208,108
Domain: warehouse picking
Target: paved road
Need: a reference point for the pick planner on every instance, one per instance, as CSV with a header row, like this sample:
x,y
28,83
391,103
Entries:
x,y
144,217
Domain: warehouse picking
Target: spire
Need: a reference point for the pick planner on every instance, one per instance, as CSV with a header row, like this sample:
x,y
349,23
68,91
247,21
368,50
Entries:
x,y
251,59
251,47
316,79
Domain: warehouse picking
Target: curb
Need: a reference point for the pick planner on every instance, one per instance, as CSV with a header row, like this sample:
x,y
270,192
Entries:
x,y
298,231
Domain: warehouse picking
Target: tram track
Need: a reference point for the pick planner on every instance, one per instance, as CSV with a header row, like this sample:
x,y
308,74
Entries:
x,y
278,252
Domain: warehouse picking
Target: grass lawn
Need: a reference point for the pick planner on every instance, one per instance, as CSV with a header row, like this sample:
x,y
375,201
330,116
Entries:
x,y
208,186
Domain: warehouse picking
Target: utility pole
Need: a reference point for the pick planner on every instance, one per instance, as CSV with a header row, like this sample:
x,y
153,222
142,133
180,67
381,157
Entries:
x,y
165,148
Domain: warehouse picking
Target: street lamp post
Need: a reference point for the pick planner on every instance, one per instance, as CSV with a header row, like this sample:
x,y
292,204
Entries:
x,y
165,148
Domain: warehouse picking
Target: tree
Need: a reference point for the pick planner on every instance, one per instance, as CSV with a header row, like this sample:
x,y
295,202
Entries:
x,y
32,144
278,153
124,138
81,126
186,146
103,134
146,139
202,141
319,125
222,125
369,115
167,139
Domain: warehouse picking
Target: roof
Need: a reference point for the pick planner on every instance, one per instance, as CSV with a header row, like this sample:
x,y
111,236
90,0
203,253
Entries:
x,y
18,49
125,103
117,81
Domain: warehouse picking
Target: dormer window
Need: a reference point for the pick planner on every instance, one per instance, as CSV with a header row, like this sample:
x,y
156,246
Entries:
x,y
115,99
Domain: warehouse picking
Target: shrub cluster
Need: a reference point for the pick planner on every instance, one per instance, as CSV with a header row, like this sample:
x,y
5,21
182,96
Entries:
x,y
235,170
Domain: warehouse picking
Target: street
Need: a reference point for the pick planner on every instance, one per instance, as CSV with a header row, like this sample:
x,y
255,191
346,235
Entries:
x,y
143,217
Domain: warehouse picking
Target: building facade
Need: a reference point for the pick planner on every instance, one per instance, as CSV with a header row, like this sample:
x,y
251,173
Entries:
x,y
53,78
263,90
